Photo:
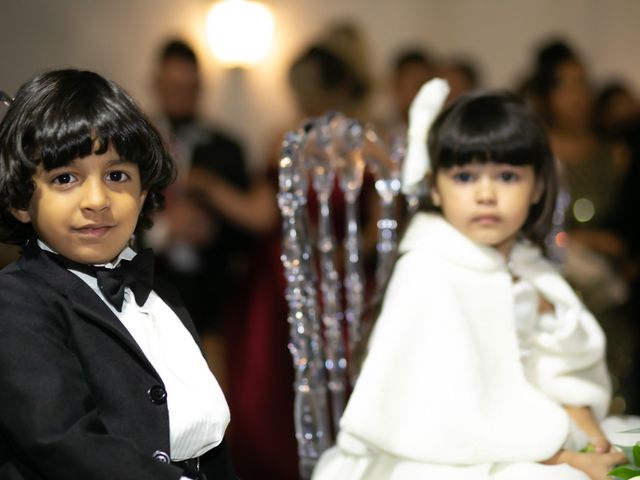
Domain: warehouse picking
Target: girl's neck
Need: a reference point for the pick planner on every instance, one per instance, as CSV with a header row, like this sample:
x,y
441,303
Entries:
x,y
505,248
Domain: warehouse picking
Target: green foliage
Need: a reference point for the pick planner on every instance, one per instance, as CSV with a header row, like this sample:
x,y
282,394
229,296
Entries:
x,y
629,470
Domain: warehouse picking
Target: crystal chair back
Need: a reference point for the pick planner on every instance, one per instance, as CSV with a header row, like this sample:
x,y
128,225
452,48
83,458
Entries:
x,y
325,307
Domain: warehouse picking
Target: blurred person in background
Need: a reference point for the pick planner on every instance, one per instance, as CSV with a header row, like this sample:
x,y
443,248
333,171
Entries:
x,y
592,170
332,74
618,120
214,210
461,74
616,107
411,68
328,75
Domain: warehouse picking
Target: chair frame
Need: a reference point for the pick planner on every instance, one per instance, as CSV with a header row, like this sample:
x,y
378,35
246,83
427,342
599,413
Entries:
x,y
325,150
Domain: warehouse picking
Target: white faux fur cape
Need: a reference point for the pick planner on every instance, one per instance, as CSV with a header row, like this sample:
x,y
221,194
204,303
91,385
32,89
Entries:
x,y
443,384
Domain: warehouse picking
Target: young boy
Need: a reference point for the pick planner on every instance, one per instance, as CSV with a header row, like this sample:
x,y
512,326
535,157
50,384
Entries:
x,y
101,375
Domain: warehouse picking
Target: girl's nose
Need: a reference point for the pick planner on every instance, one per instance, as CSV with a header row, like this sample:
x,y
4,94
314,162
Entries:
x,y
94,195
485,191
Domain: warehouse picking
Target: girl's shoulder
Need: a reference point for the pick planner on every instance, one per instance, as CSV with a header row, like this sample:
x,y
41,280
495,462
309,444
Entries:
x,y
430,236
423,232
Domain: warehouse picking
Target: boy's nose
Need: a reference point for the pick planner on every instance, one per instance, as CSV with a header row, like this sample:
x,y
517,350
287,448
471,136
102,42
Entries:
x,y
94,196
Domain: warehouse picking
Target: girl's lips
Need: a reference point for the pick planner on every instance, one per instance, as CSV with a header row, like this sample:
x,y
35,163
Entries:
x,y
486,219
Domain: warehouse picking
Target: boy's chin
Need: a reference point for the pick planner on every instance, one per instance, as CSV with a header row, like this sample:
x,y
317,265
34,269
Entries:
x,y
94,258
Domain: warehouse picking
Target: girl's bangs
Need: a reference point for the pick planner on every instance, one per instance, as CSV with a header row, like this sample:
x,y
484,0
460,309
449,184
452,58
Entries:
x,y
491,133
512,153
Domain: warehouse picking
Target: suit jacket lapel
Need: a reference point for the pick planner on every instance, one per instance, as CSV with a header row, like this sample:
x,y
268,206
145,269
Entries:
x,y
81,298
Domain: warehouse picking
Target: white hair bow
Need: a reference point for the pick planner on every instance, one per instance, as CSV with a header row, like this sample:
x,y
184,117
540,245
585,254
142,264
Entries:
x,y
424,109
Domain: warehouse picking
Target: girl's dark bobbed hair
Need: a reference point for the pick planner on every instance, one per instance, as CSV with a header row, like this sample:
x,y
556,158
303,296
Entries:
x,y
62,115
497,127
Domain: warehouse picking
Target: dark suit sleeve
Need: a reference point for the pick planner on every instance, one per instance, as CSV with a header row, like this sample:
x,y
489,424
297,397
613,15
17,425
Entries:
x,y
48,418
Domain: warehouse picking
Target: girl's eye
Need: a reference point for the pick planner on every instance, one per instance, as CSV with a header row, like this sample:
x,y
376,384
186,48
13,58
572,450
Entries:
x,y
509,176
63,179
117,176
463,177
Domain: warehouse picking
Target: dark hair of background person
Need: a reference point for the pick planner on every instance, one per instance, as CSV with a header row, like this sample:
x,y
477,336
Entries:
x,y
320,70
468,70
410,69
498,127
178,49
411,56
549,57
615,109
461,73
62,115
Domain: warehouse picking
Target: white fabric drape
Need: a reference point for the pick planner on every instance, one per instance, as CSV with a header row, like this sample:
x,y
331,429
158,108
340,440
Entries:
x,y
443,392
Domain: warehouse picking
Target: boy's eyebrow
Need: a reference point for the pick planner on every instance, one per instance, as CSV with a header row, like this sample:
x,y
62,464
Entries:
x,y
117,161
110,163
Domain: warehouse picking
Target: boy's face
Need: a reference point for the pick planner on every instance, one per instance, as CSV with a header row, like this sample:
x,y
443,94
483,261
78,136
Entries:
x,y
87,210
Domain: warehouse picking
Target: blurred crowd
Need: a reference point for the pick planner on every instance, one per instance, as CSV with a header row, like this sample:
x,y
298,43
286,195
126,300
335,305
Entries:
x,y
218,240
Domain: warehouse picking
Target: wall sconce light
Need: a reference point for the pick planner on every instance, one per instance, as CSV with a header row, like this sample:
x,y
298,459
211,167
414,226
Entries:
x,y
239,32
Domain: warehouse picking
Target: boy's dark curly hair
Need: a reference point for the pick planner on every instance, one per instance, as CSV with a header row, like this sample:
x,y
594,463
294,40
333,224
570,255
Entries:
x,y
62,115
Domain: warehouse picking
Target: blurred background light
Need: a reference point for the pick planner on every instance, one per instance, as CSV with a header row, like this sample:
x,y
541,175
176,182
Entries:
x,y
239,32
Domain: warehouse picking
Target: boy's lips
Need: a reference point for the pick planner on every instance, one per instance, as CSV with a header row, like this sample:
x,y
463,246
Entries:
x,y
93,230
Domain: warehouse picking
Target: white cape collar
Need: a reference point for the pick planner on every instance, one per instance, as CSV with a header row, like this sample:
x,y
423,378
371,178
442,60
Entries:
x,y
430,231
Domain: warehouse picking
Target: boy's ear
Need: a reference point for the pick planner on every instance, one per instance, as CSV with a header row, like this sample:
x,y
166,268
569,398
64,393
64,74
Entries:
x,y
21,215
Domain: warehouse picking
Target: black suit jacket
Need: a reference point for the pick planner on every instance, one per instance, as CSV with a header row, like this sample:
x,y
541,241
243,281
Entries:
x,y
78,398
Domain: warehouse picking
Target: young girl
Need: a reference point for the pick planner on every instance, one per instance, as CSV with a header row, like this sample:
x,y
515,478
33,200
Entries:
x,y
101,374
483,363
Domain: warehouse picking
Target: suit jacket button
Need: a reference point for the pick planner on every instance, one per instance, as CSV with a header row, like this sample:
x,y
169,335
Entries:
x,y
161,456
157,394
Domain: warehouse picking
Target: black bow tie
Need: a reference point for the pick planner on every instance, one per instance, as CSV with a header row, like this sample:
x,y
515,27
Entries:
x,y
137,274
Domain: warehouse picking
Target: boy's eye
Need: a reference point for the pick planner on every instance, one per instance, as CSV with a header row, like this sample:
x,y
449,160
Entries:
x,y
63,179
117,176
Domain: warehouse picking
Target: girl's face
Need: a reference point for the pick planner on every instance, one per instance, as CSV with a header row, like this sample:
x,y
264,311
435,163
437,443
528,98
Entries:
x,y
87,210
488,203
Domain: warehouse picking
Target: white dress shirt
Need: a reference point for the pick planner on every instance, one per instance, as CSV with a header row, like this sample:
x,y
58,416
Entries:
x,y
198,411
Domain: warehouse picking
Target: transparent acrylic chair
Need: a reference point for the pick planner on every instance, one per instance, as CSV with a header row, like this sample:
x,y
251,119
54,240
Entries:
x,y
325,307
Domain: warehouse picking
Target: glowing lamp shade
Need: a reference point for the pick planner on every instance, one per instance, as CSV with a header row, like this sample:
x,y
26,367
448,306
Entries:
x,y
239,32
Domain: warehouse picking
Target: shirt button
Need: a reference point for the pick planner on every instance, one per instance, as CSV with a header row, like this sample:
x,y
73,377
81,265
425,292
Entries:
x,y
161,456
157,394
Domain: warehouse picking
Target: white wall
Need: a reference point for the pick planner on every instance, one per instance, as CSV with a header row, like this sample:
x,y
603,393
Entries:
x,y
118,38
